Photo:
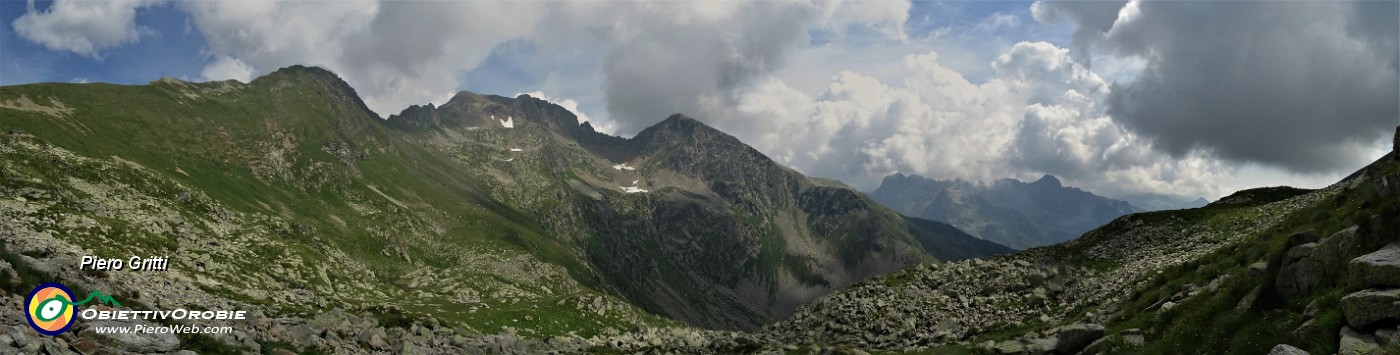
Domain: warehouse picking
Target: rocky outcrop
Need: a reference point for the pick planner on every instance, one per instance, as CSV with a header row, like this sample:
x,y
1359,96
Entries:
x,y
1306,266
1378,269
1302,270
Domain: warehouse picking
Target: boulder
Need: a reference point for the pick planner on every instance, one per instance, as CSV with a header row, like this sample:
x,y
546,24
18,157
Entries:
x,y
1354,343
1101,346
8,274
1285,349
1306,266
1302,270
1075,337
1380,269
1039,345
1133,337
1367,307
1009,347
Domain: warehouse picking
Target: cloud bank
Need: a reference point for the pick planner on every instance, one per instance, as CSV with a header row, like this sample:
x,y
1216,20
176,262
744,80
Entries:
x,y
1174,97
1305,86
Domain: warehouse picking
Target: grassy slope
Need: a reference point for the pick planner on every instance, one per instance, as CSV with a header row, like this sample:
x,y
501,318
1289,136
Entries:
x,y
1211,323
219,144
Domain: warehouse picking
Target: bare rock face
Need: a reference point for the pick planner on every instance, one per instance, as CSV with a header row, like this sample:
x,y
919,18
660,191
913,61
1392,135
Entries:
x,y
1307,265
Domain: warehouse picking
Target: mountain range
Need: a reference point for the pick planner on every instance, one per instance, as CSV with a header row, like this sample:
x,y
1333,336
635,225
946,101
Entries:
x,y
502,225
1160,202
486,212
1010,212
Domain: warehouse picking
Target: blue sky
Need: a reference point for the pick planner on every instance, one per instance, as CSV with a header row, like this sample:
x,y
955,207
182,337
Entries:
x,y
976,90
168,47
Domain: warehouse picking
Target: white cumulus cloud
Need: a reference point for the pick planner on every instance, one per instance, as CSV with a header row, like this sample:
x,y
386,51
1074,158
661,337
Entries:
x,y
82,27
226,68
1040,113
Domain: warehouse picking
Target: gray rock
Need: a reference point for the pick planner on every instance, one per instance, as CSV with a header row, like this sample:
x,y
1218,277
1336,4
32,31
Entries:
x,y
1168,306
1133,337
1380,269
1388,337
1258,269
1364,308
139,343
1285,349
54,348
1039,345
7,272
1247,301
1101,346
1354,343
1302,270
32,348
1073,338
1009,347
20,340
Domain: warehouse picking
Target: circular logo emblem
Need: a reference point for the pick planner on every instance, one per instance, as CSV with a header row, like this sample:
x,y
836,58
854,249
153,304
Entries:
x,y
50,309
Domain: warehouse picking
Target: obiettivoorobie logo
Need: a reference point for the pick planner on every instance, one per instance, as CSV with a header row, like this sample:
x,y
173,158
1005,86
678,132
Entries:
x,y
51,310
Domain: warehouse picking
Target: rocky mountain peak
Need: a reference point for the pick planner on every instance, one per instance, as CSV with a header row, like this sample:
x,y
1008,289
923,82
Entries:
x,y
311,72
679,129
681,123
1049,181
323,80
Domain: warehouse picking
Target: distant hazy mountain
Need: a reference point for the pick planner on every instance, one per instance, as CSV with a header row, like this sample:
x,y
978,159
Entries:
x,y
1010,212
1155,202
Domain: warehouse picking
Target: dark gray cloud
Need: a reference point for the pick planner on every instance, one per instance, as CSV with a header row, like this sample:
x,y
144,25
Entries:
x,y
1092,19
662,66
1305,86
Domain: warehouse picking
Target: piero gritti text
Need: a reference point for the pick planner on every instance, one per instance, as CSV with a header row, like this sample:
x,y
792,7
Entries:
x,y
134,263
